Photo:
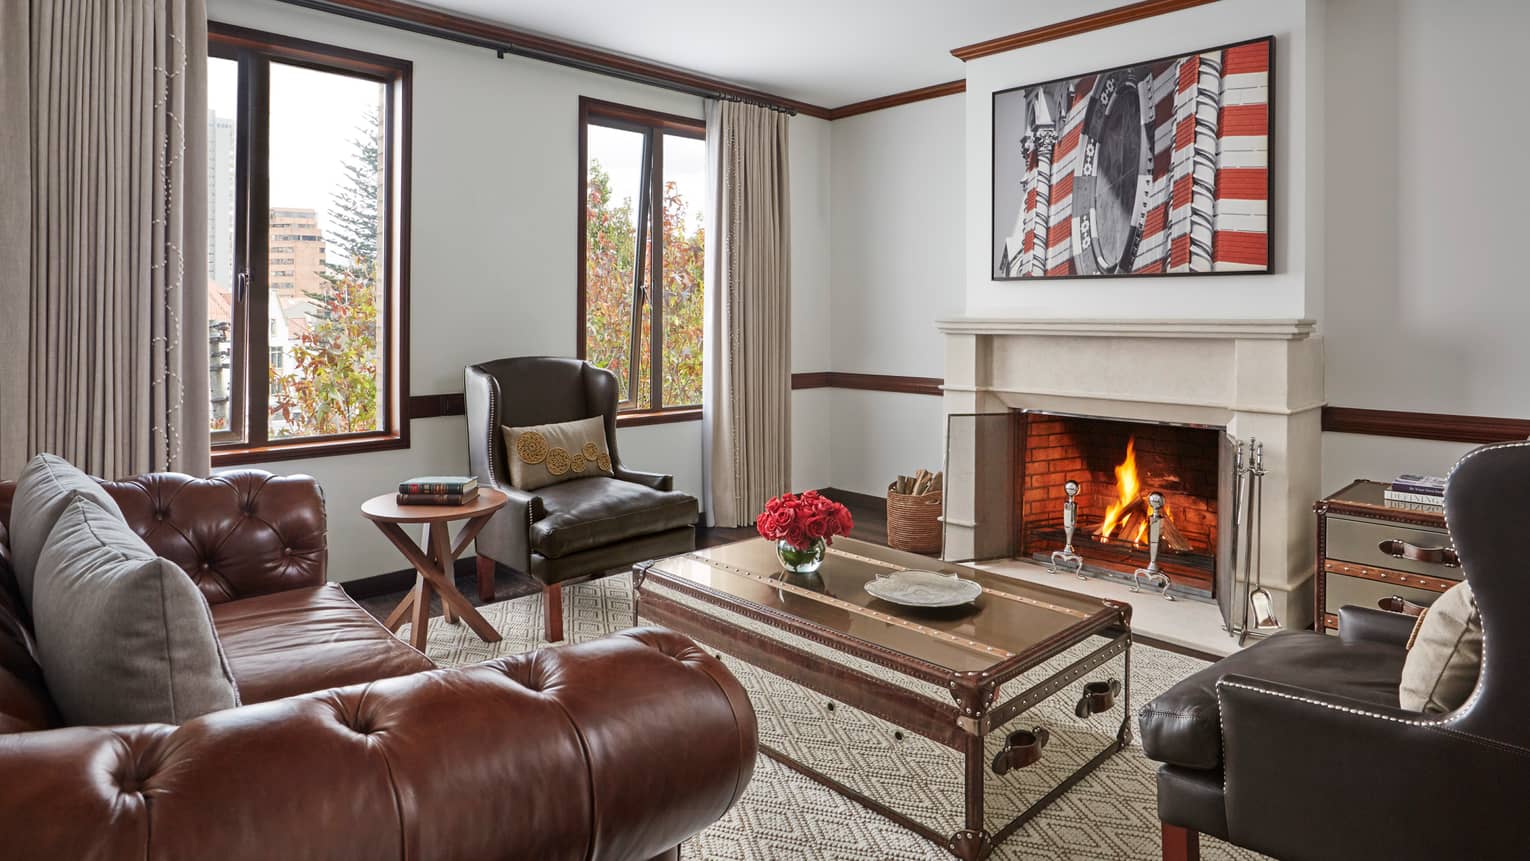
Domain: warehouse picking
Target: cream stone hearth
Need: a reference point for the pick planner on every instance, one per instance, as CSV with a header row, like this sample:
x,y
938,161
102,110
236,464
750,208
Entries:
x,y
1255,378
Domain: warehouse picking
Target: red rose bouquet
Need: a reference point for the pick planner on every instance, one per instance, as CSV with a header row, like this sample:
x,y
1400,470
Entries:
x,y
803,519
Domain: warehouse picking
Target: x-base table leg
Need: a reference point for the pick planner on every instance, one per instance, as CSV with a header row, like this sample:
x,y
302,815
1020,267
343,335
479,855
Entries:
x,y
435,570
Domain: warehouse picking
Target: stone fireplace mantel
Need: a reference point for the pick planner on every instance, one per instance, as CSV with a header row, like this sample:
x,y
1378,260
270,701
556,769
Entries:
x,y
1256,378
1281,330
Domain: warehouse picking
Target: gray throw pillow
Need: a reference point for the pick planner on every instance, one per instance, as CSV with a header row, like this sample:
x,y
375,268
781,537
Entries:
x,y
44,489
540,455
122,635
1445,655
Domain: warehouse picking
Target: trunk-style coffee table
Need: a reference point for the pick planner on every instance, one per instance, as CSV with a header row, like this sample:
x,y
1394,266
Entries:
x,y
960,724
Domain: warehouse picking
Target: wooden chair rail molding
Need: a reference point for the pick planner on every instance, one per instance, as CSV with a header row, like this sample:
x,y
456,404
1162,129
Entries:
x,y
1393,423
1074,26
868,382
1436,426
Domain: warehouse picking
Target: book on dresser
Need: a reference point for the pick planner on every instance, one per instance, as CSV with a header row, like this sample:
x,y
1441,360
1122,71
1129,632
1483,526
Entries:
x,y
438,490
1419,485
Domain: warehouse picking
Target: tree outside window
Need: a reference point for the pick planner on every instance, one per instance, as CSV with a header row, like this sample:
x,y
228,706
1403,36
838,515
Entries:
x,y
643,185
306,168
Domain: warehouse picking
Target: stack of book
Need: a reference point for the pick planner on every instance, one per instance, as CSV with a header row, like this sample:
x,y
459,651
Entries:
x,y
1417,491
438,490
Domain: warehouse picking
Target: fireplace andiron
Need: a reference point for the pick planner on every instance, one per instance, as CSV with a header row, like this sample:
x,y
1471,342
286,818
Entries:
x,y
1151,574
1070,521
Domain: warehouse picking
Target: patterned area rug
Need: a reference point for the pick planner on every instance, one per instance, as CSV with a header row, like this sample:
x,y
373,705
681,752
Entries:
x,y
1111,814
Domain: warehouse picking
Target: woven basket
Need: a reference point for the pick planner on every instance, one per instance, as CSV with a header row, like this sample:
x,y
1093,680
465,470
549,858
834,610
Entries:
x,y
913,522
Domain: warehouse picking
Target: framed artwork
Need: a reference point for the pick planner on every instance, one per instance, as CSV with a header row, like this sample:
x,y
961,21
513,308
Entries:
x,y
1157,168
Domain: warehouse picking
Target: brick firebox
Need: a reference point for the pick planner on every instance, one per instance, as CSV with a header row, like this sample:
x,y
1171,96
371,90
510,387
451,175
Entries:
x,y
1179,462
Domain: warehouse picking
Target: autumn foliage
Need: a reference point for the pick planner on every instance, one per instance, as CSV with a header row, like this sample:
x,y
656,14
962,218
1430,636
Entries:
x,y
610,259
332,384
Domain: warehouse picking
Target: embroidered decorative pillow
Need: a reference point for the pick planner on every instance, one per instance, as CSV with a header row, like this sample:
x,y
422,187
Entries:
x,y
540,455
1445,654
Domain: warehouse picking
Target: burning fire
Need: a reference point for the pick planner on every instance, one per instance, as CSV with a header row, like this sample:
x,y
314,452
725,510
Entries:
x,y
1128,515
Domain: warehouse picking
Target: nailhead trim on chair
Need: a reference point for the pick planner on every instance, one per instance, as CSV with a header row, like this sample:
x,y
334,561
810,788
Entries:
x,y
1442,722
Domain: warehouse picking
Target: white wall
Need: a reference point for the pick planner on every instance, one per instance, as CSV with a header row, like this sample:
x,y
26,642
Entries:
x,y
812,337
494,249
897,261
1281,295
1426,301
1396,218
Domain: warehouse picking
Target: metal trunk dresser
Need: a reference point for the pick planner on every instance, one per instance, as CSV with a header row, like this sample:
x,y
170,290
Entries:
x,y
1372,553
959,724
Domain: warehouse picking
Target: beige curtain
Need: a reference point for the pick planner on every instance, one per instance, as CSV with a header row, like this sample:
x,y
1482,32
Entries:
x,y
747,346
104,301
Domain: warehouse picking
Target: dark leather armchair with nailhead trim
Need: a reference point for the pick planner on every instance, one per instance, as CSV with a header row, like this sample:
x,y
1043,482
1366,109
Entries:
x,y
1296,747
576,529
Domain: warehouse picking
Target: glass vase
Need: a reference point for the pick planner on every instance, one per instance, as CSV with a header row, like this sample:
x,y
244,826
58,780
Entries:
x,y
801,560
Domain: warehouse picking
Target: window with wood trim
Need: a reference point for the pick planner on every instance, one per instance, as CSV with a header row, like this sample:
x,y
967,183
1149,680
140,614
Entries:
x,y
642,246
307,229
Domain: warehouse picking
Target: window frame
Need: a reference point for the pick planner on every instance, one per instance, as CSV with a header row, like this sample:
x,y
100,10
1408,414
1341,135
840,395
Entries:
x,y
247,440
653,125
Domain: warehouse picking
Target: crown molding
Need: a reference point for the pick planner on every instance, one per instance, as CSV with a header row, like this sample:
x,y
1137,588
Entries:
x,y
473,31
1074,26
497,37
934,91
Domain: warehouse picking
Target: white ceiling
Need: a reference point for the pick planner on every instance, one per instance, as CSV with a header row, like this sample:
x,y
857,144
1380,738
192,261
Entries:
x,y
825,52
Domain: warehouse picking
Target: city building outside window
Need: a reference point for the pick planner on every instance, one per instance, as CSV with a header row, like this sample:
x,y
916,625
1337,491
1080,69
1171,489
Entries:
x,y
307,177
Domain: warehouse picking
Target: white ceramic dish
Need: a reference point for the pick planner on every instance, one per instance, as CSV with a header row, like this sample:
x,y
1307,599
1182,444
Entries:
x,y
923,589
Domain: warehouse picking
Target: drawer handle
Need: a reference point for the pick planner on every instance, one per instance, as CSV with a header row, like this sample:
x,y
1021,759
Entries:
x,y
1400,549
1399,604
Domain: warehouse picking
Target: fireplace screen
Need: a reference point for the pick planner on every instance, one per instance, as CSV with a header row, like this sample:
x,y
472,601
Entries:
x,y
1118,465
980,486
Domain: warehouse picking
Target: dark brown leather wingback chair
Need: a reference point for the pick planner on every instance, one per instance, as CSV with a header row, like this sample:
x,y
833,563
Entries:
x,y
575,529
1296,747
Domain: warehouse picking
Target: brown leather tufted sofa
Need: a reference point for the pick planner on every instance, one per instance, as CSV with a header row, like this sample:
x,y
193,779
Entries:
x,y
350,744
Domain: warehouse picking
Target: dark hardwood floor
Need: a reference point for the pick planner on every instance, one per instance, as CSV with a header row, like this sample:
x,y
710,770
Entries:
x,y
381,594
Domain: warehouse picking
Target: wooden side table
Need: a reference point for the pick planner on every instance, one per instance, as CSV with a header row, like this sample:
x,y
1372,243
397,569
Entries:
x,y
434,562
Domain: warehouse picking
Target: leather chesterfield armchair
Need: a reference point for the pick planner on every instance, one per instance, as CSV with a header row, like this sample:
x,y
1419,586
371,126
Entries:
x,y
1296,747
576,529
350,744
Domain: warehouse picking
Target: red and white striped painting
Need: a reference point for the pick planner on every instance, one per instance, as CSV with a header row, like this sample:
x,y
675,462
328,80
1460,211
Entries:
x,y
1161,168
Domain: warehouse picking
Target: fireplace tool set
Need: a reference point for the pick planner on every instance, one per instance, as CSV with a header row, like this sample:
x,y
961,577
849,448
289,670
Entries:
x,y
1257,606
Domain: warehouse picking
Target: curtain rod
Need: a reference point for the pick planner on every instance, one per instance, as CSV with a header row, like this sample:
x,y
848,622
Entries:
x,y
501,48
